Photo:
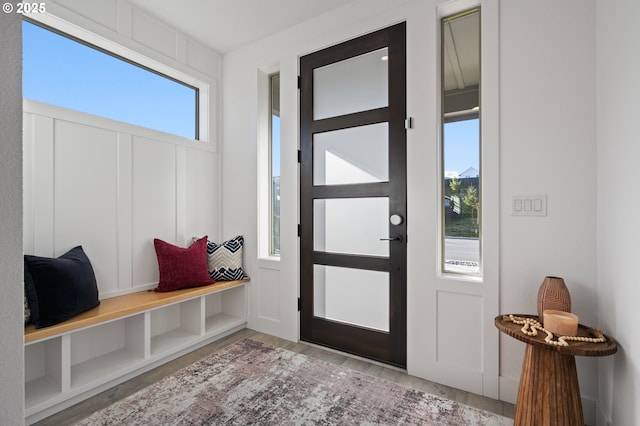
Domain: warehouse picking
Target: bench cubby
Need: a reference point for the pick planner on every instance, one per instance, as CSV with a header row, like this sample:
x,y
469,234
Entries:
x,y
175,325
43,375
106,349
123,337
221,310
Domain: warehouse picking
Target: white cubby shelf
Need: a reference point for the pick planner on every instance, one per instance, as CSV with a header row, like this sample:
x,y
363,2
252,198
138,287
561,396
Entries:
x,y
122,338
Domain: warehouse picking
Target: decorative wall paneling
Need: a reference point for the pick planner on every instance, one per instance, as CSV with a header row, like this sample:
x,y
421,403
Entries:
x,y
113,187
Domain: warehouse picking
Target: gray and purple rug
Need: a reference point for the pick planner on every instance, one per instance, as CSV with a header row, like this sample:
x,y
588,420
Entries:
x,y
251,383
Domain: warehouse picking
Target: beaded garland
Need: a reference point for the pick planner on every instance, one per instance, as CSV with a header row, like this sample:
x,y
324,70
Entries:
x,y
530,327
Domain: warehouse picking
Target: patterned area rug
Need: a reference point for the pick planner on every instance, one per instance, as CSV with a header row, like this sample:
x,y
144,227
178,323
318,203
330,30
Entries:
x,y
253,383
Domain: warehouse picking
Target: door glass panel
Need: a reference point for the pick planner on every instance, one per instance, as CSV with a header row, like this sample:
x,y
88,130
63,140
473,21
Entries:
x,y
354,155
351,226
353,85
337,292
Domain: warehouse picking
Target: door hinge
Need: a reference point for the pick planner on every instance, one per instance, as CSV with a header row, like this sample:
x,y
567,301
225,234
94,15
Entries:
x,y
299,156
299,304
408,123
299,82
299,230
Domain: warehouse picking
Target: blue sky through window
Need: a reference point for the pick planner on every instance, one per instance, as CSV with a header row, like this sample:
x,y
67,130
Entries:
x,y
275,145
63,72
461,145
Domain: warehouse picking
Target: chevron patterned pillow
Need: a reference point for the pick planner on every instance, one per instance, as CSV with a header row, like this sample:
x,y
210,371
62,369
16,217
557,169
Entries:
x,y
225,260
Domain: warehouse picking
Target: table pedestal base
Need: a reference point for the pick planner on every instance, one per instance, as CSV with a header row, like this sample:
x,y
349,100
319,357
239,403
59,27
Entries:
x,y
549,393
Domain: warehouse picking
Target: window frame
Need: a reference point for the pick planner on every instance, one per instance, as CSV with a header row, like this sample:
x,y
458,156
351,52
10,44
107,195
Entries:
x,y
444,119
264,166
272,237
100,43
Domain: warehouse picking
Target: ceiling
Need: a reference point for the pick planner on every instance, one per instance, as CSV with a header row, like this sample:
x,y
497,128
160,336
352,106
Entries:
x,y
226,25
462,52
461,65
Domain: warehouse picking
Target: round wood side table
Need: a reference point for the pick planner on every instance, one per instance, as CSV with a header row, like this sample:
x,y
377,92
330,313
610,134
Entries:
x,y
549,393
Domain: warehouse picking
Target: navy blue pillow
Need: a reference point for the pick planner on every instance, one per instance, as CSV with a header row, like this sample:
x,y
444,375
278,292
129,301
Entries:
x,y
31,294
65,286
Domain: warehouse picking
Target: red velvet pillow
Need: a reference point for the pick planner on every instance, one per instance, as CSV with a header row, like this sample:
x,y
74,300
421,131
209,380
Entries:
x,y
182,267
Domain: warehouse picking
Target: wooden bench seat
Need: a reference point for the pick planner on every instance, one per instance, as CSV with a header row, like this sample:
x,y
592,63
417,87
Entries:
x,y
121,306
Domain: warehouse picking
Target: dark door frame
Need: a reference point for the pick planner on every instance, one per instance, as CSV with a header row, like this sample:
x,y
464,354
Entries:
x,y
381,346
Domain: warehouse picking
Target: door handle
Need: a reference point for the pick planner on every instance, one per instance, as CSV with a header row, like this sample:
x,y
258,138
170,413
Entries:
x,y
397,238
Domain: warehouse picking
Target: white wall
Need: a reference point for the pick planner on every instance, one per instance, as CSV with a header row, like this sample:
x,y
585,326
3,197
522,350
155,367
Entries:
x,y
274,284
547,87
618,228
547,146
11,305
112,188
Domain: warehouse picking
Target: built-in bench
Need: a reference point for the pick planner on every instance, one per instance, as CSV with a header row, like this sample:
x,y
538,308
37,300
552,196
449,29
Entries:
x,y
121,338
121,306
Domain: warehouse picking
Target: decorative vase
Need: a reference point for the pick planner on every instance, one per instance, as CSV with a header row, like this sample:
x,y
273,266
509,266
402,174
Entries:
x,y
553,294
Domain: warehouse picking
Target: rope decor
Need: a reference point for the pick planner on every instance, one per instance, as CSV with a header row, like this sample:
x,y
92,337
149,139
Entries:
x,y
530,327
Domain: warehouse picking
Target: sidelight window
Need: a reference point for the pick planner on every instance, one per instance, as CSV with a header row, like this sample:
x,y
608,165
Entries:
x,y
461,144
274,163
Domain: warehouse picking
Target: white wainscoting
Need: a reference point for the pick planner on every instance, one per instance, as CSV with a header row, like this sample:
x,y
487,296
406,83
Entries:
x,y
112,188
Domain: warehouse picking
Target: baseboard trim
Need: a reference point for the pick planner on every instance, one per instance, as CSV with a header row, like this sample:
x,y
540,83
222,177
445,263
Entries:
x,y
508,389
602,417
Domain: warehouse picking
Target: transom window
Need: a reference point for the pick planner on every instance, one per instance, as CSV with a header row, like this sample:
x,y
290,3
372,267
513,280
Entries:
x,y
61,70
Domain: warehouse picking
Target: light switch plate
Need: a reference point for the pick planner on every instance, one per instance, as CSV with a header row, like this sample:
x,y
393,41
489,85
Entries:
x,y
529,205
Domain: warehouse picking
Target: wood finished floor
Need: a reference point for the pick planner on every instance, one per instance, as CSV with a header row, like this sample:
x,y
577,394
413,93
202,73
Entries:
x,y
108,397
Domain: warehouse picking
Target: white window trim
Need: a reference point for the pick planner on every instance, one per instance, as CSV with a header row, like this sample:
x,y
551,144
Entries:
x,y
487,149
